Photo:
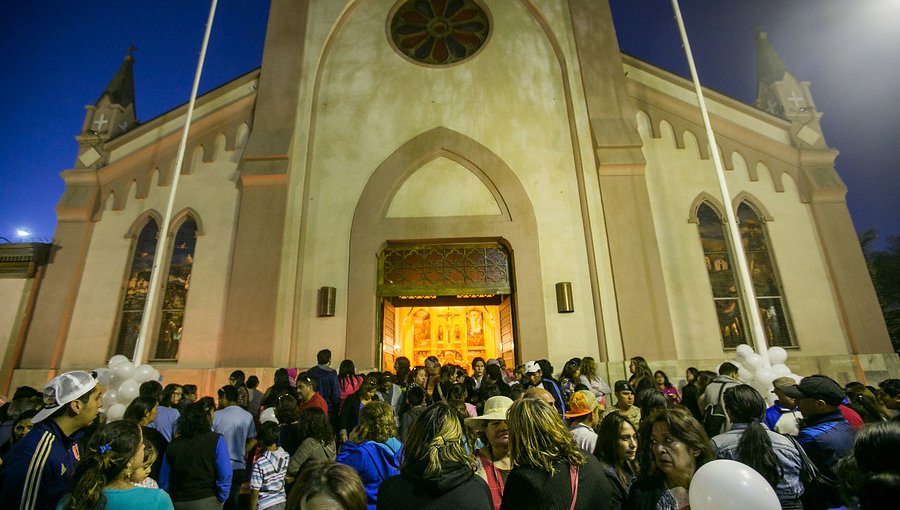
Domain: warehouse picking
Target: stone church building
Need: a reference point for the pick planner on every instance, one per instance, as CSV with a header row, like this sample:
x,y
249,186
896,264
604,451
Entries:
x,y
455,178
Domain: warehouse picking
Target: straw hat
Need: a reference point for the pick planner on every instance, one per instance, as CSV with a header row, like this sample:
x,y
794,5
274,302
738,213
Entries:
x,y
494,409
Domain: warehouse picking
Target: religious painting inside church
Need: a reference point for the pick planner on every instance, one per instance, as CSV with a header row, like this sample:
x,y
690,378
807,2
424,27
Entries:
x,y
136,287
178,282
454,334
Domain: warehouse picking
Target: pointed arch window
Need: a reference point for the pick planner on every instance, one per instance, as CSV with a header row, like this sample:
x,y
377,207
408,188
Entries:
x,y
730,310
136,287
178,283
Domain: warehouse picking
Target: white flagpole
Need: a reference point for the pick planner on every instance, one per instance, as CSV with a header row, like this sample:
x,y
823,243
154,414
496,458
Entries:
x,y
749,294
161,248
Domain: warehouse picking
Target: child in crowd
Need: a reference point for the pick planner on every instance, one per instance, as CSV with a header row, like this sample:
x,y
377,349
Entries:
x,y
141,476
269,470
416,404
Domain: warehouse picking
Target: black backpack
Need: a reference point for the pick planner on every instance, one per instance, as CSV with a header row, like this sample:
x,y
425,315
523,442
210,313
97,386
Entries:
x,y
714,418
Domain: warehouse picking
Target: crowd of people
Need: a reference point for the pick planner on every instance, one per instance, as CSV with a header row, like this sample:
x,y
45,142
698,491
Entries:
x,y
441,436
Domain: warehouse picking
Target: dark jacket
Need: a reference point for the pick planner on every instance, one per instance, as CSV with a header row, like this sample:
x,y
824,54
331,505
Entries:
x,y
349,417
826,439
619,490
528,487
327,385
196,468
455,488
38,470
407,420
645,493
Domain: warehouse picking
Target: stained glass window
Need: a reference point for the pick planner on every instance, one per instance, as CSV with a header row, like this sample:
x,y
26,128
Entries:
x,y
136,288
178,283
723,278
769,297
444,270
439,32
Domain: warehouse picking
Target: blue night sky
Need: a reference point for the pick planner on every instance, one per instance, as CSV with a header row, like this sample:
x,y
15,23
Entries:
x,y
60,55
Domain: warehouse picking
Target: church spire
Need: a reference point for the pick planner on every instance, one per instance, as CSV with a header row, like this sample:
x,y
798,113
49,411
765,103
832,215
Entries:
x,y
780,93
112,115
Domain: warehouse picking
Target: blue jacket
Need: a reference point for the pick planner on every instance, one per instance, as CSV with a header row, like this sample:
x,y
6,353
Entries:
x,y
375,462
827,438
38,471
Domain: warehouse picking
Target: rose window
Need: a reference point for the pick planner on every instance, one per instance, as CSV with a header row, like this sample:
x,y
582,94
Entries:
x,y
439,32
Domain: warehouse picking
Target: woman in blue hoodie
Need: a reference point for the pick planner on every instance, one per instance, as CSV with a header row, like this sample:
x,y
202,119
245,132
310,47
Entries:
x,y
372,449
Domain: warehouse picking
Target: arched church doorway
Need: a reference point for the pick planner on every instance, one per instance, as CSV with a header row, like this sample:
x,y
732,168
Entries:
x,y
452,300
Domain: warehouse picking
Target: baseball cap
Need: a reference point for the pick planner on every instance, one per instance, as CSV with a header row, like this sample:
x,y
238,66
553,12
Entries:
x,y
622,386
819,387
63,389
492,361
581,403
531,367
783,382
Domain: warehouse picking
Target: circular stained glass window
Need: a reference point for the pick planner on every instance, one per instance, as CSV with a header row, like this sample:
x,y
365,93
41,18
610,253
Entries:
x,y
439,32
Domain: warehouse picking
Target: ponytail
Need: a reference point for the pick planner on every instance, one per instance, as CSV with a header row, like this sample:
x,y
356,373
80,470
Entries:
x,y
109,451
745,405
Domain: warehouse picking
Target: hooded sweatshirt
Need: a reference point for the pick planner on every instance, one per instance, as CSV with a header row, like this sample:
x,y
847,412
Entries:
x,y
375,462
455,487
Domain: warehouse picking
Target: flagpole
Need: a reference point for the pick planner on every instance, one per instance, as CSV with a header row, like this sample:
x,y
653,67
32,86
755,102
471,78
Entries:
x,y
737,248
161,245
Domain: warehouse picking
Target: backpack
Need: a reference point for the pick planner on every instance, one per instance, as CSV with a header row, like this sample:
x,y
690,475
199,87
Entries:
x,y
714,418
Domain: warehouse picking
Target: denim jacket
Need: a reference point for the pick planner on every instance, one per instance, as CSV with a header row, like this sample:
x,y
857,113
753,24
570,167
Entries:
x,y
789,487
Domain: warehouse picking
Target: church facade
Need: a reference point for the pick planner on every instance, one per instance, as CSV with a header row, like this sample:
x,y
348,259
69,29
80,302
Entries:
x,y
456,178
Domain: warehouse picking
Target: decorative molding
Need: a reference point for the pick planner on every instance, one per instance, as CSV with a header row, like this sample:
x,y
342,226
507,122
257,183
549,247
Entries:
x,y
706,198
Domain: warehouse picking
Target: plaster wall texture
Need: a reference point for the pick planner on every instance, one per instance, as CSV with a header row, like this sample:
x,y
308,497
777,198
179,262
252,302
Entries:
x,y
15,295
676,177
508,98
209,190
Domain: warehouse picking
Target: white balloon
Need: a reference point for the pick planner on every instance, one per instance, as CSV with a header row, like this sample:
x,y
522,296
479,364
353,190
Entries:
x,y
103,375
115,360
729,485
109,398
764,375
115,413
128,391
125,370
114,381
143,373
777,355
743,350
155,376
268,414
746,375
780,370
752,360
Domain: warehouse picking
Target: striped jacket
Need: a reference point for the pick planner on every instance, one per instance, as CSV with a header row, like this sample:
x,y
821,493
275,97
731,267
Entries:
x,y
38,471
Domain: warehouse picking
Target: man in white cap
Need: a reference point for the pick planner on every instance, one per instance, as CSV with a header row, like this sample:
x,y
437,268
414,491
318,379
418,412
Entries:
x,y
38,471
534,378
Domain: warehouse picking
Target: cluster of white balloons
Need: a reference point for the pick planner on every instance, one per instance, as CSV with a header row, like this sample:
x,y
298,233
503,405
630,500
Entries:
x,y
754,372
122,380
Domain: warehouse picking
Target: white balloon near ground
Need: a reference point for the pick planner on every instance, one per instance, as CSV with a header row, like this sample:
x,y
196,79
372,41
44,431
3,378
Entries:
x,y
743,351
780,370
752,360
777,355
124,370
109,398
128,391
115,413
143,373
729,485
115,360
103,375
268,414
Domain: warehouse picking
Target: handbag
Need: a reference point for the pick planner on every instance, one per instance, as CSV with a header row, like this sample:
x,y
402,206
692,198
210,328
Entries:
x,y
573,474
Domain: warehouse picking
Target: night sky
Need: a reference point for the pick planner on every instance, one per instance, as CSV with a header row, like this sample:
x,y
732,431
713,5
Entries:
x,y
59,56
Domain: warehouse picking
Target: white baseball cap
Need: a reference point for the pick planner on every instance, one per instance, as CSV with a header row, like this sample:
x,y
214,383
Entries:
x,y
63,389
531,367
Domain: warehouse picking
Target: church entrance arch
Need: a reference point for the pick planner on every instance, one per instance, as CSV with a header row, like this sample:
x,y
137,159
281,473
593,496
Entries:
x,y
375,231
451,300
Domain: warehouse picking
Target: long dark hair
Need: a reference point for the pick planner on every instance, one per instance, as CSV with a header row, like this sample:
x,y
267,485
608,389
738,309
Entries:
x,y
569,369
109,451
745,405
607,449
166,400
403,373
314,424
138,408
666,382
346,371
195,420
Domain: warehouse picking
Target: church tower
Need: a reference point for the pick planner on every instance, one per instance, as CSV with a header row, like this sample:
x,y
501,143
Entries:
x,y
780,93
112,115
